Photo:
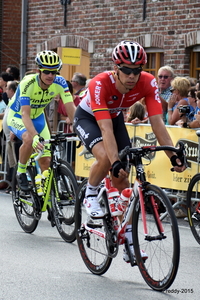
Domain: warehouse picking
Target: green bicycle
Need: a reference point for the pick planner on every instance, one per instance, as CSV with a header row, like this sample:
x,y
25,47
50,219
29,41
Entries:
x,y
59,193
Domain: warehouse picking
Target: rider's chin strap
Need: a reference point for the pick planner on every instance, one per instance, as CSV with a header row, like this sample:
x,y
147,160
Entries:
x,y
42,80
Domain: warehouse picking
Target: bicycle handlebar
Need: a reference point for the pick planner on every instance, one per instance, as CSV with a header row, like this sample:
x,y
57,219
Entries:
x,y
57,139
142,151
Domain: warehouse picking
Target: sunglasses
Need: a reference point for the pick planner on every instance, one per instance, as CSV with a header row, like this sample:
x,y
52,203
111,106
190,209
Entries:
x,y
163,76
172,90
128,71
47,72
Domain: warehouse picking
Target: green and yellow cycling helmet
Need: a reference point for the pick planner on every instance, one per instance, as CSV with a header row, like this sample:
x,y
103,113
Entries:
x,y
48,60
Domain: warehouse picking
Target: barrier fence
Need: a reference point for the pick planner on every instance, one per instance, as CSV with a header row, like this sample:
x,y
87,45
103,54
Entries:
x,y
158,172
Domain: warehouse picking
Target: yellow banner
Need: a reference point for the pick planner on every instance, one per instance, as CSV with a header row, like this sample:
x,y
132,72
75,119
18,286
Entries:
x,y
71,56
158,165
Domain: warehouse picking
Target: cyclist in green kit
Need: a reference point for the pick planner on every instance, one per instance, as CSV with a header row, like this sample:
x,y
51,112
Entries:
x,y
26,117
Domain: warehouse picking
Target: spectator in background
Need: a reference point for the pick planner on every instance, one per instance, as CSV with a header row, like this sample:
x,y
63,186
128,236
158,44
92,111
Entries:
x,y
78,82
71,146
192,97
192,80
2,104
14,71
87,82
196,121
13,143
61,108
137,113
4,78
165,76
180,88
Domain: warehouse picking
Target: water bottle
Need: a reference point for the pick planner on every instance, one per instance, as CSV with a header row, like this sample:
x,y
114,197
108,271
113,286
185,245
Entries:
x,y
113,199
45,174
124,199
38,183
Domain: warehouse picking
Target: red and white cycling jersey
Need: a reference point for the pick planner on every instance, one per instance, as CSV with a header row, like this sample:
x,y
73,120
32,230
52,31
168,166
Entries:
x,y
104,101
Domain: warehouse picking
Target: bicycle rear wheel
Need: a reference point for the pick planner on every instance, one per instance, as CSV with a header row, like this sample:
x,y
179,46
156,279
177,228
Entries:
x,y
163,249
193,202
64,205
92,247
25,204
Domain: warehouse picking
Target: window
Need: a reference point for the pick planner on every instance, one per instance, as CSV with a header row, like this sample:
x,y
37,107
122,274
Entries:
x,y
155,60
195,62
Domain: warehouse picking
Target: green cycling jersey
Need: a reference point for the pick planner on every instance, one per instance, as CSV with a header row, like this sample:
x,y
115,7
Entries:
x,y
30,93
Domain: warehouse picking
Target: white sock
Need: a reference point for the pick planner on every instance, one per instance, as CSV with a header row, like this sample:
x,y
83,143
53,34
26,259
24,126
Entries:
x,y
128,234
91,190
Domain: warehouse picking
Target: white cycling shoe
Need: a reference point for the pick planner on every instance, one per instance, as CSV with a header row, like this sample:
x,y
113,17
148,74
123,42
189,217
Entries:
x,y
93,208
126,256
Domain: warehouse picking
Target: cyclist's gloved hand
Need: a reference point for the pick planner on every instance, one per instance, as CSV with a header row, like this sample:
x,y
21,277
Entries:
x,y
174,162
36,141
116,166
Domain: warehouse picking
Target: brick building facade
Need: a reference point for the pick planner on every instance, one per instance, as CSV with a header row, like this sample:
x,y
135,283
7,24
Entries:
x,y
168,30
10,33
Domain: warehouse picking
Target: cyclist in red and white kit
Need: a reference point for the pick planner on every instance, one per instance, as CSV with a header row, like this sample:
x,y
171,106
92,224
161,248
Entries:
x,y
99,120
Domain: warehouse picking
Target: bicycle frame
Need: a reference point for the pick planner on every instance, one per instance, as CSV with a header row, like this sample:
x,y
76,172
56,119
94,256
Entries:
x,y
137,191
139,185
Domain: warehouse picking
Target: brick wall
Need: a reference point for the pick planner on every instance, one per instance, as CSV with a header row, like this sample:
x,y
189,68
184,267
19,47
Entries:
x,y
107,22
11,33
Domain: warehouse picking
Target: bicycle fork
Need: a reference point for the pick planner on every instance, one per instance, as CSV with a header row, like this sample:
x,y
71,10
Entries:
x,y
154,206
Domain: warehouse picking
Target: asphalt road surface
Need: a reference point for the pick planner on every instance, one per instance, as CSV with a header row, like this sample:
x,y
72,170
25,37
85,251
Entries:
x,y
42,266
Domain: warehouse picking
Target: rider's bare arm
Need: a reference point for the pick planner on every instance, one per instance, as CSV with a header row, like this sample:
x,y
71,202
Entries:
x,y
70,108
163,137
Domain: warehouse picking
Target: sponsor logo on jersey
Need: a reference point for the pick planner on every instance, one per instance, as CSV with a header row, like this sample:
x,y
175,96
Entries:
x,y
98,139
60,80
97,92
16,125
82,132
27,85
114,97
154,84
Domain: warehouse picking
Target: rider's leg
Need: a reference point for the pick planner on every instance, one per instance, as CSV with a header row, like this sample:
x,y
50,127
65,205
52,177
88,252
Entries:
x,y
44,163
26,149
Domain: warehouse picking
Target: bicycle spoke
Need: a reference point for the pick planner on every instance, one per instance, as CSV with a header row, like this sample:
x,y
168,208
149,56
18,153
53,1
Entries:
x,y
93,248
160,269
64,206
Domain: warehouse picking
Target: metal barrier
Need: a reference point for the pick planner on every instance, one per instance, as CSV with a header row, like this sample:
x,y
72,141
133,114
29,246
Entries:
x,y
4,160
68,150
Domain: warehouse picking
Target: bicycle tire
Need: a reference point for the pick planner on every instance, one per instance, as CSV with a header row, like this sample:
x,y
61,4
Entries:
x,y
161,266
68,166
25,204
193,198
64,207
93,248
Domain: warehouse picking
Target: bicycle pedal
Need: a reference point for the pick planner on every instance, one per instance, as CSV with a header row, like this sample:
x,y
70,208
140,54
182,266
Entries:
x,y
94,225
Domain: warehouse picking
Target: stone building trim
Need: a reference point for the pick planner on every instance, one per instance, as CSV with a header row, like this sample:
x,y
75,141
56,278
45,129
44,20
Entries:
x,y
73,41
192,38
151,40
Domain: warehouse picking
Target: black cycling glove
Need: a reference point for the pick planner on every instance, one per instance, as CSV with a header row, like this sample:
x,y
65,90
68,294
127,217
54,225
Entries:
x,y
173,160
116,166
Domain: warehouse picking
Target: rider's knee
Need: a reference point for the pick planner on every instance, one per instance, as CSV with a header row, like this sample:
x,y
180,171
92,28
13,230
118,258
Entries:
x,y
27,139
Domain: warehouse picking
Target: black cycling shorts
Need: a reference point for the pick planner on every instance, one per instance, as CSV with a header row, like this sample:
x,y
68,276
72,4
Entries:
x,y
87,129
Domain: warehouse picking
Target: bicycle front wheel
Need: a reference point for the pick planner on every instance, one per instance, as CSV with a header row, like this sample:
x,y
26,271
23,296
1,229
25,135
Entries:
x,y
160,243
64,205
193,199
92,247
25,205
